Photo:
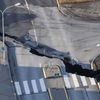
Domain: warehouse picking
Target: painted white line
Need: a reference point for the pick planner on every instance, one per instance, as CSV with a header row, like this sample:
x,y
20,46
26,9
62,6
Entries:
x,y
34,86
98,85
26,87
34,31
27,5
67,82
35,35
18,88
40,65
75,80
83,79
92,81
32,22
42,84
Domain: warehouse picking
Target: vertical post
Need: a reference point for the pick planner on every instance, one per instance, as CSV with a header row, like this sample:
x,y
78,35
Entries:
x,y
3,31
3,38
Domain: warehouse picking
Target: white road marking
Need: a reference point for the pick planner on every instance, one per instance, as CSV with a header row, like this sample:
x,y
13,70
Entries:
x,y
18,88
67,82
98,85
26,87
83,79
34,86
92,81
40,65
75,80
27,5
42,84
35,34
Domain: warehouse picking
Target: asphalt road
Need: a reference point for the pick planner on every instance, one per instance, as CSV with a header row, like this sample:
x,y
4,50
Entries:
x,y
28,75
28,78
78,37
19,17
46,25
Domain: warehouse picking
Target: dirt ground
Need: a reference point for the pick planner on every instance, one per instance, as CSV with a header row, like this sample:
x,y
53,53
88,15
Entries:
x,y
87,10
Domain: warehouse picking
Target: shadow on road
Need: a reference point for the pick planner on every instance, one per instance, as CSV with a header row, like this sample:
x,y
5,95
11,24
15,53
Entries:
x,y
43,3
2,5
11,18
28,73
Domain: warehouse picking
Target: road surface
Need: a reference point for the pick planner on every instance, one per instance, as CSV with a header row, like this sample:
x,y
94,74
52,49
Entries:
x,y
47,25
